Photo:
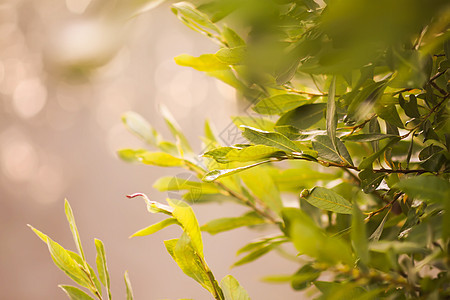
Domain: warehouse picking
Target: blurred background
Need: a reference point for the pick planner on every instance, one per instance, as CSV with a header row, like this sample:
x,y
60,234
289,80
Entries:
x,y
68,70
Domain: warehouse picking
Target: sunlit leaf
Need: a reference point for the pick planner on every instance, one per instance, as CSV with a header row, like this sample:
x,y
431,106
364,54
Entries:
x,y
231,56
75,293
251,153
262,186
326,199
279,104
225,224
128,286
155,227
184,214
232,290
141,128
273,139
102,268
216,174
311,240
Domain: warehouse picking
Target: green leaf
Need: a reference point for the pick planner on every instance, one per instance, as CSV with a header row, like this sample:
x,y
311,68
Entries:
x,y
389,113
175,129
273,139
141,128
66,263
366,137
263,187
102,268
93,276
279,104
73,228
131,155
311,240
427,152
232,290
251,153
128,286
331,116
370,180
326,199
359,235
258,123
225,224
231,37
160,159
341,291
186,217
188,260
231,56
428,188
303,117
255,254
75,293
216,174
194,18
368,161
155,227
323,145
375,236
203,63
170,183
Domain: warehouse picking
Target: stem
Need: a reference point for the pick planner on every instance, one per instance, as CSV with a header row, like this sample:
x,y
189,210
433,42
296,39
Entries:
x,y
382,170
390,203
217,295
243,199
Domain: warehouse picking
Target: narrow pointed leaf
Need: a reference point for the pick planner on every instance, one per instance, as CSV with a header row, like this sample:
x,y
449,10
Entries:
x,y
251,153
359,235
175,129
184,214
279,104
155,227
273,139
75,293
160,159
429,188
225,224
331,114
169,183
263,187
366,137
141,128
311,240
232,290
375,236
367,162
102,268
328,200
323,145
231,56
73,228
370,180
303,117
216,174
128,286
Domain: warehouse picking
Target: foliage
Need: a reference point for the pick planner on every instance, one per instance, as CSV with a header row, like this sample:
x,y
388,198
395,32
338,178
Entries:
x,y
353,97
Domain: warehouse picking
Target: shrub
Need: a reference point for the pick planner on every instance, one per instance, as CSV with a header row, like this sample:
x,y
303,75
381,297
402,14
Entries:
x,y
348,109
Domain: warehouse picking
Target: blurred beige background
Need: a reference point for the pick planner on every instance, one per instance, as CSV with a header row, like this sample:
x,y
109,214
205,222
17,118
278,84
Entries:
x,y
58,138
